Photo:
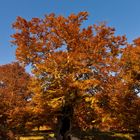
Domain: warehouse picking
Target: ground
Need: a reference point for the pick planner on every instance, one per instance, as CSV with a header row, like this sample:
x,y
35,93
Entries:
x,y
95,136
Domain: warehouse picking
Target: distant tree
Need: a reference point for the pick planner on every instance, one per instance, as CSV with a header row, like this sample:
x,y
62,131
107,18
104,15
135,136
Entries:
x,y
14,98
131,66
121,106
130,73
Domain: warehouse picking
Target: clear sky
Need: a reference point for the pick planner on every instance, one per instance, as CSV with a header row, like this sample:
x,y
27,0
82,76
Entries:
x,y
124,15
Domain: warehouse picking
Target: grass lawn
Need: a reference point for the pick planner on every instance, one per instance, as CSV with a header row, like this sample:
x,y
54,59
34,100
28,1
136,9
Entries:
x,y
108,136
91,136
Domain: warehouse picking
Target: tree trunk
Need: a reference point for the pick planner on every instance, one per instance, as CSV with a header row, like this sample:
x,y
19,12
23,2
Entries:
x,y
64,123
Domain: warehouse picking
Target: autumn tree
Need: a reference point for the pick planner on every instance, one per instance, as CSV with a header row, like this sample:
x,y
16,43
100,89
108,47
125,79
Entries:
x,y
121,106
14,97
70,64
130,75
131,65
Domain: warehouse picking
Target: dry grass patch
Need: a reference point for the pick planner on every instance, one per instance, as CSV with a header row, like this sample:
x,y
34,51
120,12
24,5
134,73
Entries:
x,y
32,138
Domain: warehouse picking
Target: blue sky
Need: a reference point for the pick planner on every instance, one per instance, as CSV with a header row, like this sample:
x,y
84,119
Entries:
x,y
124,15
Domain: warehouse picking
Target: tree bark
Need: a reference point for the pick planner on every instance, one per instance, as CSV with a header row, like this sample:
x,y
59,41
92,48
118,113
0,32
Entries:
x,y
64,123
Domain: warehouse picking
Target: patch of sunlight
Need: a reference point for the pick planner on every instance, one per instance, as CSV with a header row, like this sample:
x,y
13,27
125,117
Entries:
x,y
125,136
42,128
32,138
51,135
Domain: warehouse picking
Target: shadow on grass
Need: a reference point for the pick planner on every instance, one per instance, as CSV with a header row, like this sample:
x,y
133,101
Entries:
x,y
136,137
104,137
97,135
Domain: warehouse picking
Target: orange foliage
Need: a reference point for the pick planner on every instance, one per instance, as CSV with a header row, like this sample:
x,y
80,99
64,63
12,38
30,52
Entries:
x,y
14,95
85,67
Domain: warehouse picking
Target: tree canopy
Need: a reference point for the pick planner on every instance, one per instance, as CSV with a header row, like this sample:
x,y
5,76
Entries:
x,y
91,69
14,98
